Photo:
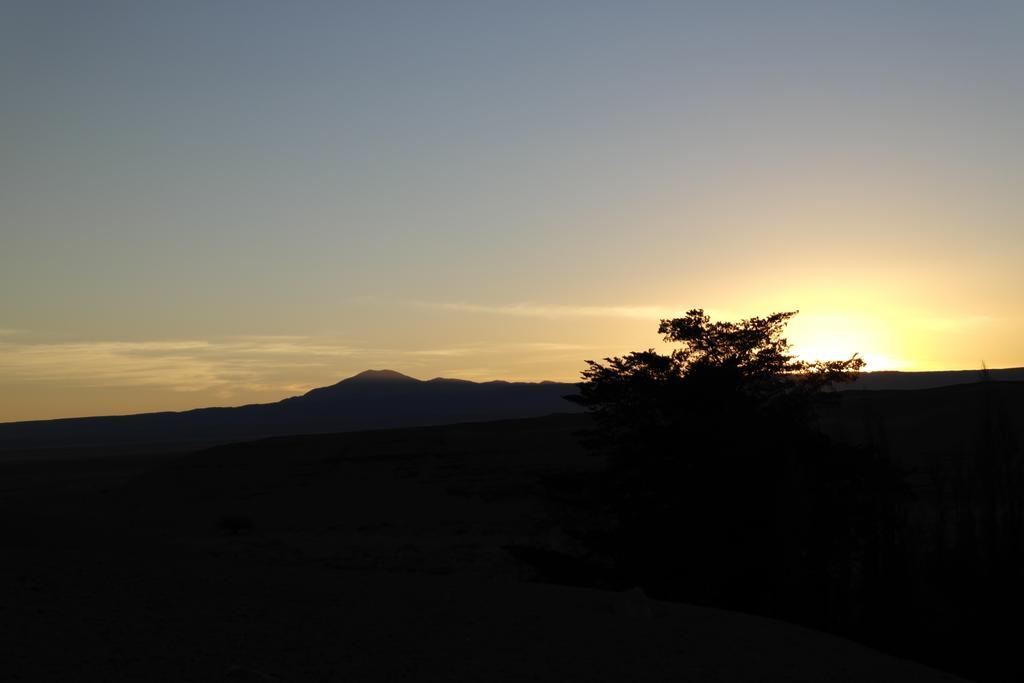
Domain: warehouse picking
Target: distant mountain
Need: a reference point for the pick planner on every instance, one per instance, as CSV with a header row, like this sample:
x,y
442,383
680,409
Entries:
x,y
374,399
890,380
367,376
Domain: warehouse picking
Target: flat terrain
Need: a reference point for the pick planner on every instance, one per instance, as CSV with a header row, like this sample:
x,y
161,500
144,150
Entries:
x,y
373,556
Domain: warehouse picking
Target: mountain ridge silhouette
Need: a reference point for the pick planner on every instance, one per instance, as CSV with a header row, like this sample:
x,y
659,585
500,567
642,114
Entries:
x,y
378,376
372,399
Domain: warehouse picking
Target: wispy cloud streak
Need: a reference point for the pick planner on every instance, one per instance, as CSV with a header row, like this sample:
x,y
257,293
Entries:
x,y
557,310
951,324
233,366
185,365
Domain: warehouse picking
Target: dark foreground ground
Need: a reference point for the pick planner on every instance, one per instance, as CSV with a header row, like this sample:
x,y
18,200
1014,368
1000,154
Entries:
x,y
377,556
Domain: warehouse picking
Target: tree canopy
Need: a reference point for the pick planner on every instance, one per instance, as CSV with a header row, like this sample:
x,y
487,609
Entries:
x,y
721,486
728,366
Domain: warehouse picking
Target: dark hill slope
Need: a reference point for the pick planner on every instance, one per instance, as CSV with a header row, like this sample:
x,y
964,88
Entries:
x,y
894,380
915,426
376,399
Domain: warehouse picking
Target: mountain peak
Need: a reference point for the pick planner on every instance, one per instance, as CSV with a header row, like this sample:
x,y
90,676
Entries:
x,y
380,376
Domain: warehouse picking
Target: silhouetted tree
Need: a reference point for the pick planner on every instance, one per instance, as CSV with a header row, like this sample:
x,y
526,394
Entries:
x,y
722,489
720,365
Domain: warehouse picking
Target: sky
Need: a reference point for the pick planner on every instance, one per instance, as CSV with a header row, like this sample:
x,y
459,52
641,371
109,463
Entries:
x,y
218,203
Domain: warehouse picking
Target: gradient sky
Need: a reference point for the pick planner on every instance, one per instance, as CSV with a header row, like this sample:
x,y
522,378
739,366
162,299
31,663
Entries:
x,y
222,202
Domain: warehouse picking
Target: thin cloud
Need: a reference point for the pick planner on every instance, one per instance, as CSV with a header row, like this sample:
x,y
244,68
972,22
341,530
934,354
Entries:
x,y
484,348
231,367
557,310
189,365
453,352
951,324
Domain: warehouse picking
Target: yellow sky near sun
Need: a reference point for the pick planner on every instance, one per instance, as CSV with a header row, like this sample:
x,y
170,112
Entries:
x,y
47,379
